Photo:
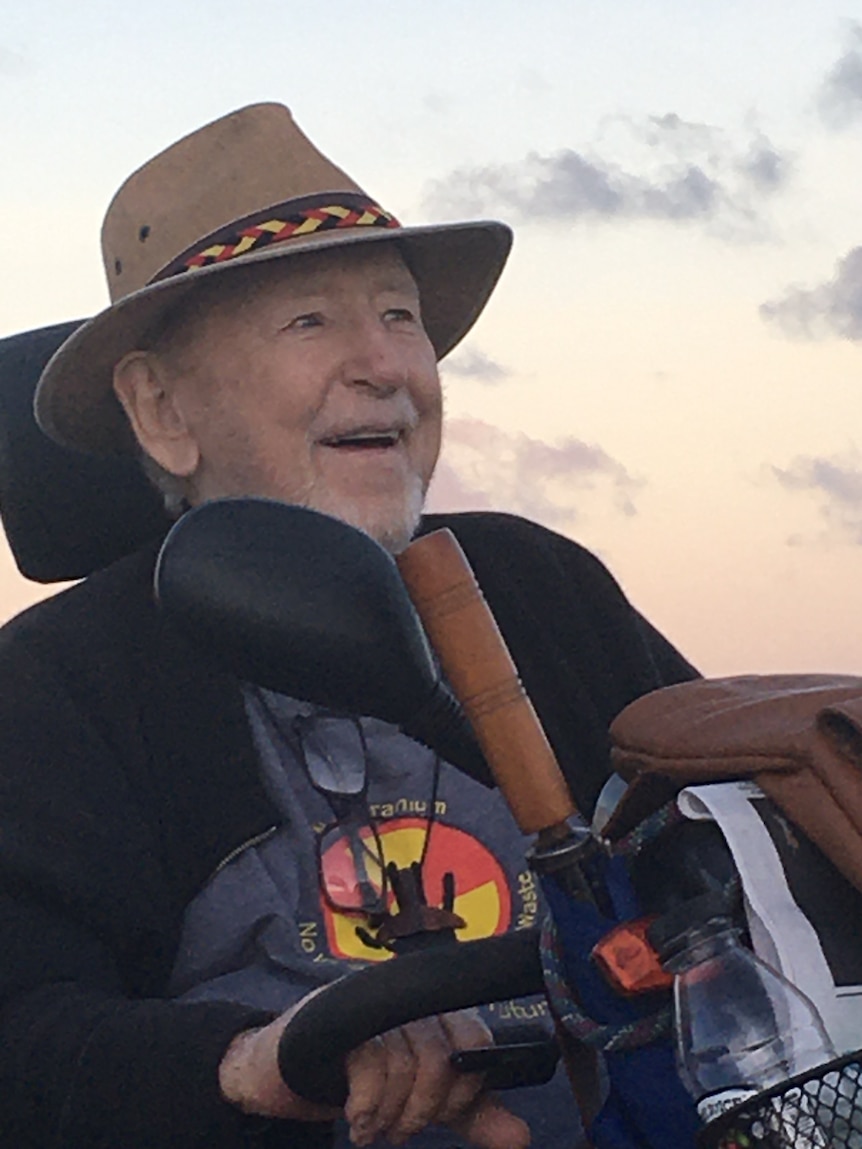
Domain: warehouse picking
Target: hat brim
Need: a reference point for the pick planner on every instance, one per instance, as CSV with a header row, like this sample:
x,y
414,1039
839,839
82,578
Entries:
x,y
455,267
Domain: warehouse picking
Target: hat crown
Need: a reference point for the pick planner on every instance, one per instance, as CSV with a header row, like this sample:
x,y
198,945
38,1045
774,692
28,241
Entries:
x,y
234,167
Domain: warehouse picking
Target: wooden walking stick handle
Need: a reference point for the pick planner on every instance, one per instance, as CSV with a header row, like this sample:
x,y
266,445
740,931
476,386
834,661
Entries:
x,y
480,670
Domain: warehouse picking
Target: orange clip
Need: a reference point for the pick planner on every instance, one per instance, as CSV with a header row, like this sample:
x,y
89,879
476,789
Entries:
x,y
628,961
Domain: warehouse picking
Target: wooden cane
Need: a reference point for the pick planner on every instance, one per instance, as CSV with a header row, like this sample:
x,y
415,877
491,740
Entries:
x,y
484,679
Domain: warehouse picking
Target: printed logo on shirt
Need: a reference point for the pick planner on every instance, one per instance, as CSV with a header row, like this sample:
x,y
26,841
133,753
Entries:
x,y
482,896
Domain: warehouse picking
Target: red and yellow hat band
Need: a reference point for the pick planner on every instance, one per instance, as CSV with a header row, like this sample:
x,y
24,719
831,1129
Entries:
x,y
298,217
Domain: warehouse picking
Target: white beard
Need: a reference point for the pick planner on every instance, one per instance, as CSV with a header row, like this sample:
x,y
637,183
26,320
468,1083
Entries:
x,y
392,526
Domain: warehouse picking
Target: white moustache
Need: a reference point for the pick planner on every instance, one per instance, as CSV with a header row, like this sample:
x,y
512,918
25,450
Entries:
x,y
397,417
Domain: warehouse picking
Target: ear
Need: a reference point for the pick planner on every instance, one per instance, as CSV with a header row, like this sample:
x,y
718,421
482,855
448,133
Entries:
x,y
149,399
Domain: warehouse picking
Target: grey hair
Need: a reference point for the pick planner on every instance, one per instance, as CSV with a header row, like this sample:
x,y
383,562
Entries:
x,y
174,489
168,339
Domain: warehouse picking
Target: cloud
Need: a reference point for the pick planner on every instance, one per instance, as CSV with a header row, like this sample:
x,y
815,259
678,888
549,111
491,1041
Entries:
x,y
837,484
840,96
438,103
486,468
831,308
12,63
471,363
675,171
534,82
763,166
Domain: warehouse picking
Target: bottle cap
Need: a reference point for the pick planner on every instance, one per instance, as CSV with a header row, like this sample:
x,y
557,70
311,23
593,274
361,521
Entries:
x,y
669,933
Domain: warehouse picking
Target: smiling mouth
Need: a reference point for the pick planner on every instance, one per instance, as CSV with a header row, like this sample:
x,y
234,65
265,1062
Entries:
x,y
364,440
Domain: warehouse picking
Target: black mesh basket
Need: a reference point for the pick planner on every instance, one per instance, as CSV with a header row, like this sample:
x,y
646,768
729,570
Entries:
x,y
821,1109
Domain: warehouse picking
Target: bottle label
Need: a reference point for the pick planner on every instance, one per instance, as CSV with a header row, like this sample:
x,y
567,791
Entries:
x,y
712,1106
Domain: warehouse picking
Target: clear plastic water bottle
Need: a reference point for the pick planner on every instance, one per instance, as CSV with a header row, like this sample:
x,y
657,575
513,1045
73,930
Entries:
x,y
740,1027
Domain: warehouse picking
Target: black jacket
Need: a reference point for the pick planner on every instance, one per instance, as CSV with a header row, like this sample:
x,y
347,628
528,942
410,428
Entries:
x,y
127,773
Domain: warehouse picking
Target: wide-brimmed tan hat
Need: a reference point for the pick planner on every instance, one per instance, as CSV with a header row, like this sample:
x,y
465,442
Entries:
x,y
247,188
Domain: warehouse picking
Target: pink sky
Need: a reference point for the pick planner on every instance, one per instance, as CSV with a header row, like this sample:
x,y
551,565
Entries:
x,y
670,370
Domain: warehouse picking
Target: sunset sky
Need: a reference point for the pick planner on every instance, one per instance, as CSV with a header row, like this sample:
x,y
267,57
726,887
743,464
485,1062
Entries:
x,y
671,368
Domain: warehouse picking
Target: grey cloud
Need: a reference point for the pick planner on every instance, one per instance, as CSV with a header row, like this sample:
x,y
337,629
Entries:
x,y
471,363
831,308
484,467
837,484
763,165
756,161
687,133
534,82
685,172
437,103
12,63
840,96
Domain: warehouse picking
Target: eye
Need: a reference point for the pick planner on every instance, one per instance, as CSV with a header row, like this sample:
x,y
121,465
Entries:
x,y
400,315
304,322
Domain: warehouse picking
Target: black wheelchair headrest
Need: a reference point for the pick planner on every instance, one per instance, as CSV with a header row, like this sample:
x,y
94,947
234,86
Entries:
x,y
65,514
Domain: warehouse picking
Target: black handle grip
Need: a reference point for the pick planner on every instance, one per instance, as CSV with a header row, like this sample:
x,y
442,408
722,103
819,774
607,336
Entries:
x,y
508,1066
422,984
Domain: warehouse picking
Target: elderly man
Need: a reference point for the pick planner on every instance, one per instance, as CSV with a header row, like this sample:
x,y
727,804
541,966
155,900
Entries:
x,y
163,852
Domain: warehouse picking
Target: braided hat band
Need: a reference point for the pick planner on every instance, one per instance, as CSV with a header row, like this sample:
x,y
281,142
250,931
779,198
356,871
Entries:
x,y
277,224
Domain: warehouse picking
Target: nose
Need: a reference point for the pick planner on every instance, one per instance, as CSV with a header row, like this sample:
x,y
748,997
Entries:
x,y
373,359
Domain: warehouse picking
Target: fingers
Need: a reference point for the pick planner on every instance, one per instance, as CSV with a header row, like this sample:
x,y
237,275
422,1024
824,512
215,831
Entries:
x,y
400,1078
366,1077
398,1082
489,1125
405,1080
381,1076
440,1094
464,1030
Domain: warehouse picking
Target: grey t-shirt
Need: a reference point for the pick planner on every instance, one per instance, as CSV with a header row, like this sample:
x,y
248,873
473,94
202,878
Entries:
x,y
259,932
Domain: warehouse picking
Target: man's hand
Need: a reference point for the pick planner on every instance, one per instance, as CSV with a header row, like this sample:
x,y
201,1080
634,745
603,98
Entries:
x,y
399,1083
404,1080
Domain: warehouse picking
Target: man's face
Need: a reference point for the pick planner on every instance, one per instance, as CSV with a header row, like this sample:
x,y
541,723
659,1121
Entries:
x,y
317,386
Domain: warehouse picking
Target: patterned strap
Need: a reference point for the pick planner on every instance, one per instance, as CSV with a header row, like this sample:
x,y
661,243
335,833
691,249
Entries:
x,y
569,1014
279,223
666,816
